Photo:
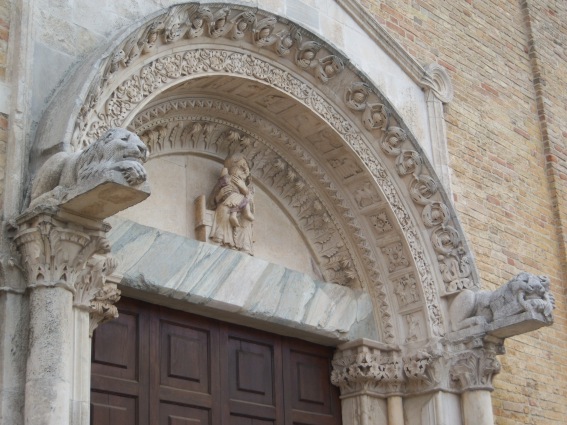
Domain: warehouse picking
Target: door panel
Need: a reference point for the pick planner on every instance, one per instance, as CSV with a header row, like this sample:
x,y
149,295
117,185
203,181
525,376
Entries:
x,y
184,357
309,393
252,365
120,360
155,365
174,414
113,409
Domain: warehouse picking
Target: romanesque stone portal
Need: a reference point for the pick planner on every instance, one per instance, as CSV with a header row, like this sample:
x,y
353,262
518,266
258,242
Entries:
x,y
342,170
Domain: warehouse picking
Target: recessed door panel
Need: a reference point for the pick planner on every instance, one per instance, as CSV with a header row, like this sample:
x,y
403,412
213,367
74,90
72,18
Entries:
x,y
155,365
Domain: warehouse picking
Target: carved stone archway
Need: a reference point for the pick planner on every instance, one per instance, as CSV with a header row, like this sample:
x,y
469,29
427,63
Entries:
x,y
189,41
333,153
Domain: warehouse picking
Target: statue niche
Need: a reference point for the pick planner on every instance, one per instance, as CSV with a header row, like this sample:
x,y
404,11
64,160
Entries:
x,y
232,201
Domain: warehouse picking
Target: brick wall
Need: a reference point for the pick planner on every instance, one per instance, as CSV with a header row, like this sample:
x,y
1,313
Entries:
x,y
506,136
4,32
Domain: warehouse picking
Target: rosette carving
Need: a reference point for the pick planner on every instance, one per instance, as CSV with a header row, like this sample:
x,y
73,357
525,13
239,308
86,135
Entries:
x,y
393,139
357,95
263,32
435,214
375,117
422,188
408,162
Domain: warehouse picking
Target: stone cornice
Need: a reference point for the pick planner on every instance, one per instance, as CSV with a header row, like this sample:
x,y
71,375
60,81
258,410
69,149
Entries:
x,y
383,39
427,78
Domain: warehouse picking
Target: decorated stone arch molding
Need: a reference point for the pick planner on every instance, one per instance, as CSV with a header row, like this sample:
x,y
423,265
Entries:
x,y
193,40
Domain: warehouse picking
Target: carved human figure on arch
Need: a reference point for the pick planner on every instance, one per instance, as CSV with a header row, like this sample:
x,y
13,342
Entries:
x,y
232,199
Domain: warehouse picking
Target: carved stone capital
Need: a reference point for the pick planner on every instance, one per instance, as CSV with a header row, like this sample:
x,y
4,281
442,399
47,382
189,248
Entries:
x,y
367,367
54,247
474,369
94,294
102,308
417,368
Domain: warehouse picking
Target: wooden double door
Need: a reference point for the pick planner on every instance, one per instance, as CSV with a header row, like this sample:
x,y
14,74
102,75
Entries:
x,y
157,366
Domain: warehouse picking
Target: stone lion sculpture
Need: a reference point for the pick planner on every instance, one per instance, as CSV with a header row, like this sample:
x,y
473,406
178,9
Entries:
x,y
118,149
524,293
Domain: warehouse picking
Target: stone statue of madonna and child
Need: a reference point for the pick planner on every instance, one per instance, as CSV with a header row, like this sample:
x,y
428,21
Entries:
x,y
232,199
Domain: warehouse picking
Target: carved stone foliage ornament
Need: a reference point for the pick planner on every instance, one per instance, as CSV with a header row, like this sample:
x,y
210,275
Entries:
x,y
192,21
474,369
373,371
143,77
454,264
59,249
102,308
364,367
53,253
92,292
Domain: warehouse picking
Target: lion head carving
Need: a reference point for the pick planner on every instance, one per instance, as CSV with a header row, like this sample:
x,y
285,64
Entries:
x,y
118,149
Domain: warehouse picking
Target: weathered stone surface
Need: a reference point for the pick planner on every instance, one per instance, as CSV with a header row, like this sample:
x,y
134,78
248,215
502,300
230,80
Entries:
x,y
224,281
97,182
523,304
512,220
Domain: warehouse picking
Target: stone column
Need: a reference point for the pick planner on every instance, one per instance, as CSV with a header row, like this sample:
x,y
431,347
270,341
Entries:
x,y
369,375
477,408
64,255
93,305
55,246
395,410
472,372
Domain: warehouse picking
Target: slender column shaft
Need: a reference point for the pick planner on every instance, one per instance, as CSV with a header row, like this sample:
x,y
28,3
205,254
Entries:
x,y
48,375
13,352
477,408
395,411
80,401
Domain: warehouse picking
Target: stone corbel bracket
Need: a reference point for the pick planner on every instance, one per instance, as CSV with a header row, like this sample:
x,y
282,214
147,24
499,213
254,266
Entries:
x,y
61,237
523,304
97,182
